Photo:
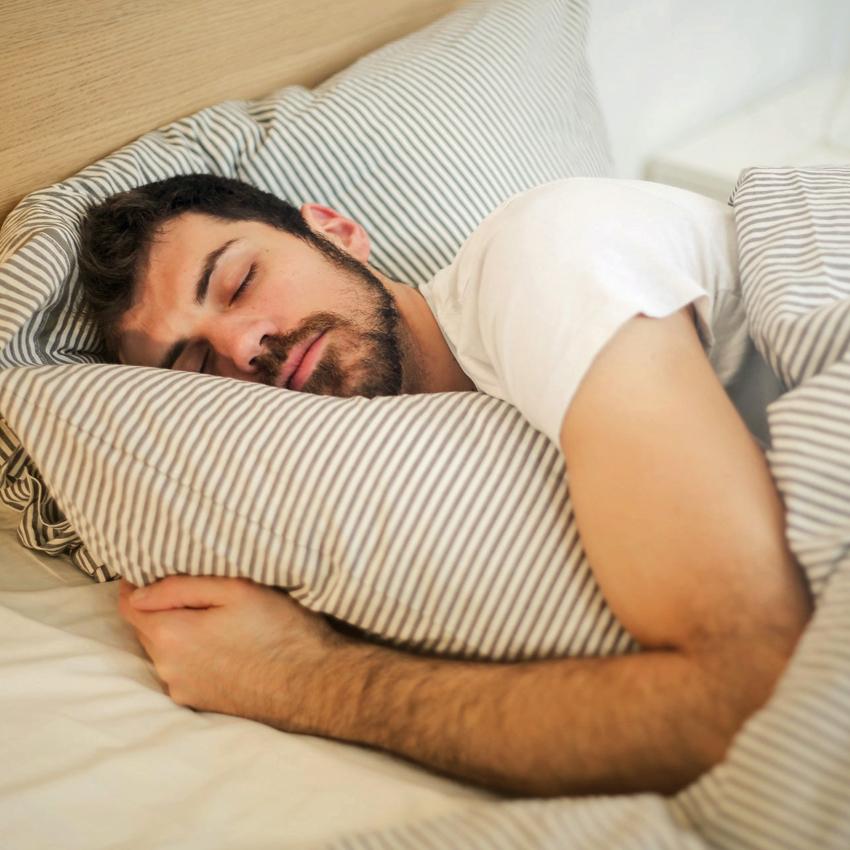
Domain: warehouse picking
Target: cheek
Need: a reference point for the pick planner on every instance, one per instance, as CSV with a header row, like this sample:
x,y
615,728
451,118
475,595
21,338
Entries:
x,y
289,302
272,304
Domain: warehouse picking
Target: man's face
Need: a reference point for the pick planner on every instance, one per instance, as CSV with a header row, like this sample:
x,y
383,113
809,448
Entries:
x,y
273,308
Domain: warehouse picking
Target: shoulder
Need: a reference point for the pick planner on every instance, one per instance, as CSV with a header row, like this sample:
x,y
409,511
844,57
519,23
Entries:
x,y
577,217
604,194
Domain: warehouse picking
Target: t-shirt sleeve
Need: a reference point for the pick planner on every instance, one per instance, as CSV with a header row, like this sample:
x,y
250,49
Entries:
x,y
557,275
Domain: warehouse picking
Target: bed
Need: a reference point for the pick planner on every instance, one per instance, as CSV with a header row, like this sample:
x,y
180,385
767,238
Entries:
x,y
95,753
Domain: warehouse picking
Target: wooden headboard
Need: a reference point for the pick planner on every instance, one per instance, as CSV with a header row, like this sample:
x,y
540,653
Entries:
x,y
81,78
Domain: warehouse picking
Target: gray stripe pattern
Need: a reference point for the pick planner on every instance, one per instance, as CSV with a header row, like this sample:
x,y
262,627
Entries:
x,y
418,141
440,522
794,237
785,783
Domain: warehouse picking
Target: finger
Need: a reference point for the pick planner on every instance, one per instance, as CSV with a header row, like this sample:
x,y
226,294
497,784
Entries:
x,y
146,644
125,609
125,588
148,647
143,621
186,592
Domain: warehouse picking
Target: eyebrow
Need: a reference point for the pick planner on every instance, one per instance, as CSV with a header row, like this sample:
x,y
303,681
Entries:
x,y
201,288
203,283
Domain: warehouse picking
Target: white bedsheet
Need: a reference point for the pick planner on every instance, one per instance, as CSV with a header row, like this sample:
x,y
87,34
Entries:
x,y
95,755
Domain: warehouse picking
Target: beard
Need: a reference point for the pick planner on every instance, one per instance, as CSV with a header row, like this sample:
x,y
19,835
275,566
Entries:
x,y
363,355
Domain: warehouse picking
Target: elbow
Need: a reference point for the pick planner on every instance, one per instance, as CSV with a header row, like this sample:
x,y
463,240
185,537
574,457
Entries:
x,y
743,657
742,674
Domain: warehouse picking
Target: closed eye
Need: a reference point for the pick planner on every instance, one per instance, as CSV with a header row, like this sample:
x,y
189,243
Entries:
x,y
244,285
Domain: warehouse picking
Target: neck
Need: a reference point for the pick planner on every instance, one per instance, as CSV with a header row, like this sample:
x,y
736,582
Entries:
x,y
430,366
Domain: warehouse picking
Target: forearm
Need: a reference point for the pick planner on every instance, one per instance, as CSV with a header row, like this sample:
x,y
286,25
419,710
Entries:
x,y
652,721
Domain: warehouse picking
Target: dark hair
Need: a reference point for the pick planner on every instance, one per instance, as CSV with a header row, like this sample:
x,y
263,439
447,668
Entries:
x,y
117,235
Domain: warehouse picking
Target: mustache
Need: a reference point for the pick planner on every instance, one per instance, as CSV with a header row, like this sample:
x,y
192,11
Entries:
x,y
269,363
277,347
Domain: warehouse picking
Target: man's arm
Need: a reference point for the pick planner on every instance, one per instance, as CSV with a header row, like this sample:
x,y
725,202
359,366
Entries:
x,y
684,530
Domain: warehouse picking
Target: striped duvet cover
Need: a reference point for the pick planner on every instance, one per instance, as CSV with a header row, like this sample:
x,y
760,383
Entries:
x,y
785,782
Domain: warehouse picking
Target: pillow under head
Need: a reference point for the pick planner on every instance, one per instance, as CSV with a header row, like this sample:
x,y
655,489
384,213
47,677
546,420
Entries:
x,y
439,521
417,142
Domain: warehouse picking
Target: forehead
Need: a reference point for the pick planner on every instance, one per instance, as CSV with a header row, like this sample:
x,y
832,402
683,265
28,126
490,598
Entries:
x,y
185,245
187,238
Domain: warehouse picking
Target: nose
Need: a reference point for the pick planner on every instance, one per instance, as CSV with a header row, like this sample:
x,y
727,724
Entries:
x,y
236,343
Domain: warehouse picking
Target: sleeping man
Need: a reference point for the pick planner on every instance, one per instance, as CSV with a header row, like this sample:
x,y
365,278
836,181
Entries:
x,y
590,305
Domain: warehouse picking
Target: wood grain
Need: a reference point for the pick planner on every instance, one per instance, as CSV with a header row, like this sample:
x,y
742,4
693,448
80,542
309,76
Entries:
x,y
81,78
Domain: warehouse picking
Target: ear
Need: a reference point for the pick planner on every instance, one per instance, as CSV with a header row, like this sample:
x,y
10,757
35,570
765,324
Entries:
x,y
342,231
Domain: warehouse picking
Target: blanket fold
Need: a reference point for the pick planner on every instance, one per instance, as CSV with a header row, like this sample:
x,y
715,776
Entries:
x,y
784,782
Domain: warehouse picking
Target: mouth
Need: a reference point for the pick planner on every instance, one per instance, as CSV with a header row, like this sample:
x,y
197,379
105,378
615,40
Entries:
x,y
299,365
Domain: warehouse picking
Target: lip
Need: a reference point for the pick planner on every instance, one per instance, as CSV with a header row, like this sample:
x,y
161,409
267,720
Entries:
x,y
295,359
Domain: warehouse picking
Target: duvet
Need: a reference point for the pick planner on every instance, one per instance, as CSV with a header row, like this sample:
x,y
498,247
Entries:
x,y
786,779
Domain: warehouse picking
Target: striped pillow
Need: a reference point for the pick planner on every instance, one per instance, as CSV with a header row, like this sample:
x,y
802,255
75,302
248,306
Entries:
x,y
418,141
438,521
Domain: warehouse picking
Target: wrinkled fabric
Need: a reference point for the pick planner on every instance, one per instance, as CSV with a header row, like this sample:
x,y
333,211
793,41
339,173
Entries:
x,y
784,781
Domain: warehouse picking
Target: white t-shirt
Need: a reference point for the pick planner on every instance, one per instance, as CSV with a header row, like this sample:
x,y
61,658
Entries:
x,y
549,277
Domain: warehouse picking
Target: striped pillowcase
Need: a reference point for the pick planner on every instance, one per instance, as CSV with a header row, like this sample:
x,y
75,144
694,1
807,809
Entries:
x,y
419,142
441,522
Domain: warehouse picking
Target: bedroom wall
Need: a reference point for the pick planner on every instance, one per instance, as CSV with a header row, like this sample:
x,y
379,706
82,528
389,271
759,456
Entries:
x,y
667,68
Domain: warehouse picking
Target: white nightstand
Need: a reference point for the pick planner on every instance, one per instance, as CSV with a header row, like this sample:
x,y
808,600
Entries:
x,y
806,124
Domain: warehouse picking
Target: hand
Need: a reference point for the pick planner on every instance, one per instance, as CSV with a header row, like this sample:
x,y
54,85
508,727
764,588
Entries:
x,y
230,645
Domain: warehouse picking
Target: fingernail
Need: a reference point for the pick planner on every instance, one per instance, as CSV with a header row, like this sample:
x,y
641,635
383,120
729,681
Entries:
x,y
139,594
